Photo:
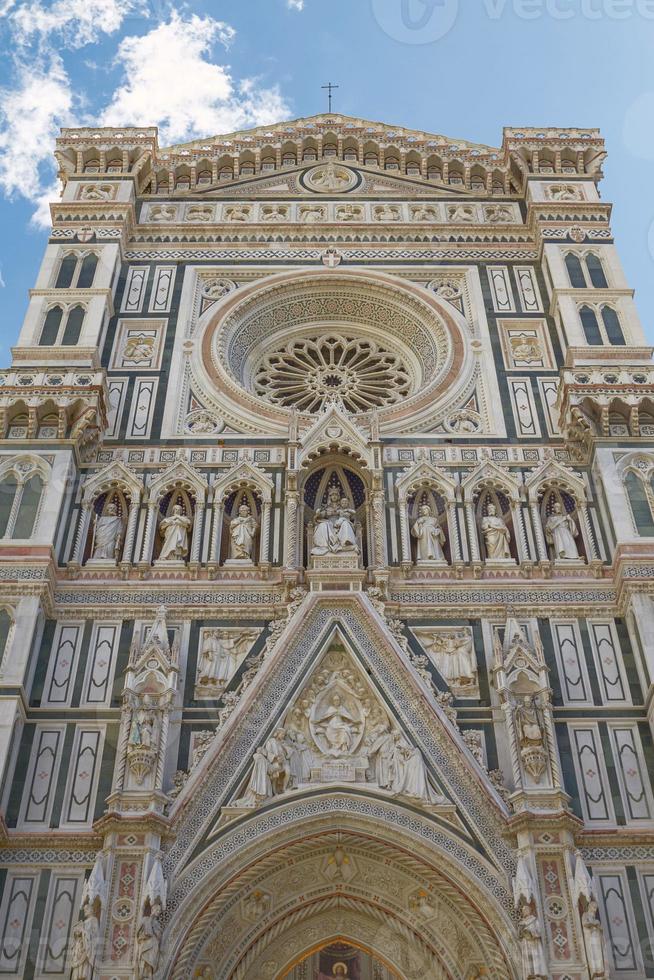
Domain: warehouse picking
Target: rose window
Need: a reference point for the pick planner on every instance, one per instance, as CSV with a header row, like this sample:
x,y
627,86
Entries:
x,y
306,373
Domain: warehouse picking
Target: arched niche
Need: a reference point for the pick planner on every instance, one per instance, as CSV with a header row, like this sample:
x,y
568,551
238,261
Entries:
x,y
106,533
424,485
179,486
114,485
320,483
244,484
554,486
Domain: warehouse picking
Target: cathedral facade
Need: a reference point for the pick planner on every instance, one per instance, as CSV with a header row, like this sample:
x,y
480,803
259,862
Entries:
x,y
327,557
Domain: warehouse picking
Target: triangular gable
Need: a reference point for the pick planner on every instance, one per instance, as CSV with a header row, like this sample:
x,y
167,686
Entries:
x,y
370,182
398,686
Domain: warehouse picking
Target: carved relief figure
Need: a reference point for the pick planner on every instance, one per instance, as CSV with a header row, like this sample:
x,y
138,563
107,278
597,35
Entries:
x,y
560,533
242,530
387,212
429,535
237,212
454,656
274,212
329,178
175,530
220,653
108,533
271,772
338,725
312,214
424,212
496,534
162,213
349,212
461,212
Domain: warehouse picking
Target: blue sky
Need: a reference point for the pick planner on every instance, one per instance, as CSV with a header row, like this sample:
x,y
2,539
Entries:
x,y
464,69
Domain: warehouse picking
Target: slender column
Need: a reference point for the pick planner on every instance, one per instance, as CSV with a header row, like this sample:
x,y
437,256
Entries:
x,y
521,534
148,537
196,540
453,524
290,530
82,529
405,541
541,544
265,533
216,531
584,516
377,513
472,531
132,518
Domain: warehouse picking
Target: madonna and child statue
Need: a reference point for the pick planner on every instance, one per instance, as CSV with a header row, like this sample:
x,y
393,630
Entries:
x,y
334,532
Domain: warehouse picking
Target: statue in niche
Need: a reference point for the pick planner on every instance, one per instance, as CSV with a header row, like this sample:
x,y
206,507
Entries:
x,y
334,530
429,535
107,533
175,530
144,729
242,531
148,941
528,723
531,737
496,535
219,656
560,533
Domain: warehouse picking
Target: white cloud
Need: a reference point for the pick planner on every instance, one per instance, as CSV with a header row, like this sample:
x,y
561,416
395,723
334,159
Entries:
x,y
295,4
76,22
171,82
30,116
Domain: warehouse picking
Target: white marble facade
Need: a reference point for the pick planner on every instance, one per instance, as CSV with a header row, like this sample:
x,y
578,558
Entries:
x,y
326,533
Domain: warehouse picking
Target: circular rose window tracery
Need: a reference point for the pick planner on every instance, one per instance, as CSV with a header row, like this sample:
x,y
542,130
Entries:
x,y
357,373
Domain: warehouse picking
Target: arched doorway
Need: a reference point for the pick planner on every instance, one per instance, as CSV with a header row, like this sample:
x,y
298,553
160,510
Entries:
x,y
418,907
340,960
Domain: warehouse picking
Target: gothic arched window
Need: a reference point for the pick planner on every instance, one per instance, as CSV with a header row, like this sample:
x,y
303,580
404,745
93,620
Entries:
x,y
589,322
612,326
596,272
575,271
640,498
76,271
60,329
20,499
